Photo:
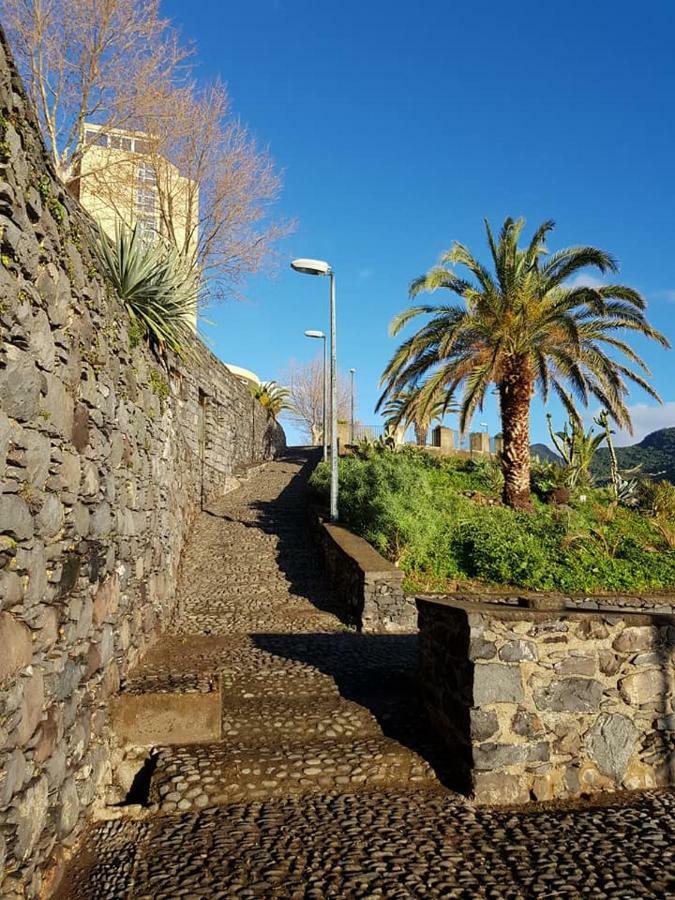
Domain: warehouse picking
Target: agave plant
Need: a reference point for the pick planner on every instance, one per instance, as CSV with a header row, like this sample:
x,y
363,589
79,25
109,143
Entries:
x,y
272,396
577,448
156,284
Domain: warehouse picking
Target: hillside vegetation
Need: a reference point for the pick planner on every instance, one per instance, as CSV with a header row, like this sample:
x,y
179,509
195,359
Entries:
x,y
442,522
655,455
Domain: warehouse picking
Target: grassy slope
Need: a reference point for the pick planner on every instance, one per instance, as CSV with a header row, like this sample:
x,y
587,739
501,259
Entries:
x,y
441,521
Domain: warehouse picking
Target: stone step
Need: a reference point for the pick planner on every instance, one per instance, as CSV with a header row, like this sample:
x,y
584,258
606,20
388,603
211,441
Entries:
x,y
287,723
194,777
156,718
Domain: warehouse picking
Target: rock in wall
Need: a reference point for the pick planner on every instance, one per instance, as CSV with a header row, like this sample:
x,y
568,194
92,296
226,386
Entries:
x,y
105,457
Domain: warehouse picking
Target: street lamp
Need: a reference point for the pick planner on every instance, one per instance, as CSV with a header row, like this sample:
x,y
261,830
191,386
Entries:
x,y
319,267
319,335
351,423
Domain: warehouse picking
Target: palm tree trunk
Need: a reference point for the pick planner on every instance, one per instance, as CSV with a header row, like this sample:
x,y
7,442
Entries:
x,y
515,394
421,430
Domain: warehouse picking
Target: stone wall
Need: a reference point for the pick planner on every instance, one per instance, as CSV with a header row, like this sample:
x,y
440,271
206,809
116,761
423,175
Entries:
x,y
368,587
658,601
537,705
105,457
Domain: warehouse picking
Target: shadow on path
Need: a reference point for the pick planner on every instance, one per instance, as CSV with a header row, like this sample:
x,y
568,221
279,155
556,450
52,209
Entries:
x,y
380,673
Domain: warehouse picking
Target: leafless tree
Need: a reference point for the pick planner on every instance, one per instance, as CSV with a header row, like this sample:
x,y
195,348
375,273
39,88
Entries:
x,y
118,64
88,60
305,383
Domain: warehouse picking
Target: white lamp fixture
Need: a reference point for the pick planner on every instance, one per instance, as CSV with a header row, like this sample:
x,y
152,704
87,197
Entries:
x,y
311,266
320,267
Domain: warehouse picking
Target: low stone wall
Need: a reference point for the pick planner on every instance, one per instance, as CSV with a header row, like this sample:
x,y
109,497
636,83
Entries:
x,y
368,587
105,458
537,705
660,601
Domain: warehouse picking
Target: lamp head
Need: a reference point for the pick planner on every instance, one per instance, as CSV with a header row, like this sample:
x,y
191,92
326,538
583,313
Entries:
x,y
311,266
315,334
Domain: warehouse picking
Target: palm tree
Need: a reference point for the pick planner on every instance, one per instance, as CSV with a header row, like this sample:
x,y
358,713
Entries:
x,y
271,396
523,327
403,408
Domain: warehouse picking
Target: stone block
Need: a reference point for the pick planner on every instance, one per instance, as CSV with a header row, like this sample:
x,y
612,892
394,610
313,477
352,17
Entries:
x,y
19,385
15,517
56,407
570,695
479,648
29,814
17,646
484,724
49,520
32,703
499,789
611,742
12,776
495,683
650,686
489,757
636,638
148,720
519,650
526,724
577,665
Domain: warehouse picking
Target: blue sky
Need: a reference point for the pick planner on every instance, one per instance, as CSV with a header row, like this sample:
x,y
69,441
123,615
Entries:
x,y
398,127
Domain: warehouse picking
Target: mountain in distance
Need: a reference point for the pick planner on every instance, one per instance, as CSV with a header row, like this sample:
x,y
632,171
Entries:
x,y
655,454
544,453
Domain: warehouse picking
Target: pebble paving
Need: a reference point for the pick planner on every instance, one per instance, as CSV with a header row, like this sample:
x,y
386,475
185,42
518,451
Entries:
x,y
328,781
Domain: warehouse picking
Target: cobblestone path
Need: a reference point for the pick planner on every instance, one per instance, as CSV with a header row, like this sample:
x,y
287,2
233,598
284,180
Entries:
x,y
327,781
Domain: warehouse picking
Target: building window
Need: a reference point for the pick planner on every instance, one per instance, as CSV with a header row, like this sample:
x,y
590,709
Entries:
x,y
146,200
147,227
99,138
119,142
146,172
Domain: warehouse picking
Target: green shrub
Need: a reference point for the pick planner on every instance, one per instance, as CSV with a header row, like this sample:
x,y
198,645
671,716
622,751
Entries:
x,y
657,498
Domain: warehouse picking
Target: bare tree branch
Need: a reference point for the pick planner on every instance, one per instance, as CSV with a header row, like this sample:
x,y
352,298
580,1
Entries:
x,y
305,383
119,64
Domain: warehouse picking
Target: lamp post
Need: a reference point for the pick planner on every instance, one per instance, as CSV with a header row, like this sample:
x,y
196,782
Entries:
x,y
352,372
319,267
319,335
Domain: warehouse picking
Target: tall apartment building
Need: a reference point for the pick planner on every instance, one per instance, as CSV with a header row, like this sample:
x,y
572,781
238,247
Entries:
x,y
122,179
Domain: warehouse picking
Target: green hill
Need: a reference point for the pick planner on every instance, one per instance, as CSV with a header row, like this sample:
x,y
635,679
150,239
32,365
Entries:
x,y
655,454
544,453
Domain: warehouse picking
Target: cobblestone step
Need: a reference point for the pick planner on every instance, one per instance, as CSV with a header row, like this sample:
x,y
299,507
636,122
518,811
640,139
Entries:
x,y
251,724
194,777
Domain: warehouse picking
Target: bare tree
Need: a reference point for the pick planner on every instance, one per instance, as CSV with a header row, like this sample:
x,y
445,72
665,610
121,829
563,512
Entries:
x,y
305,383
118,64
88,60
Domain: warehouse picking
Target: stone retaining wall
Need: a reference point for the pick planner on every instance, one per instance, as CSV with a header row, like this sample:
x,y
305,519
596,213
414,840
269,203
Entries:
x,y
660,602
537,705
105,458
368,587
